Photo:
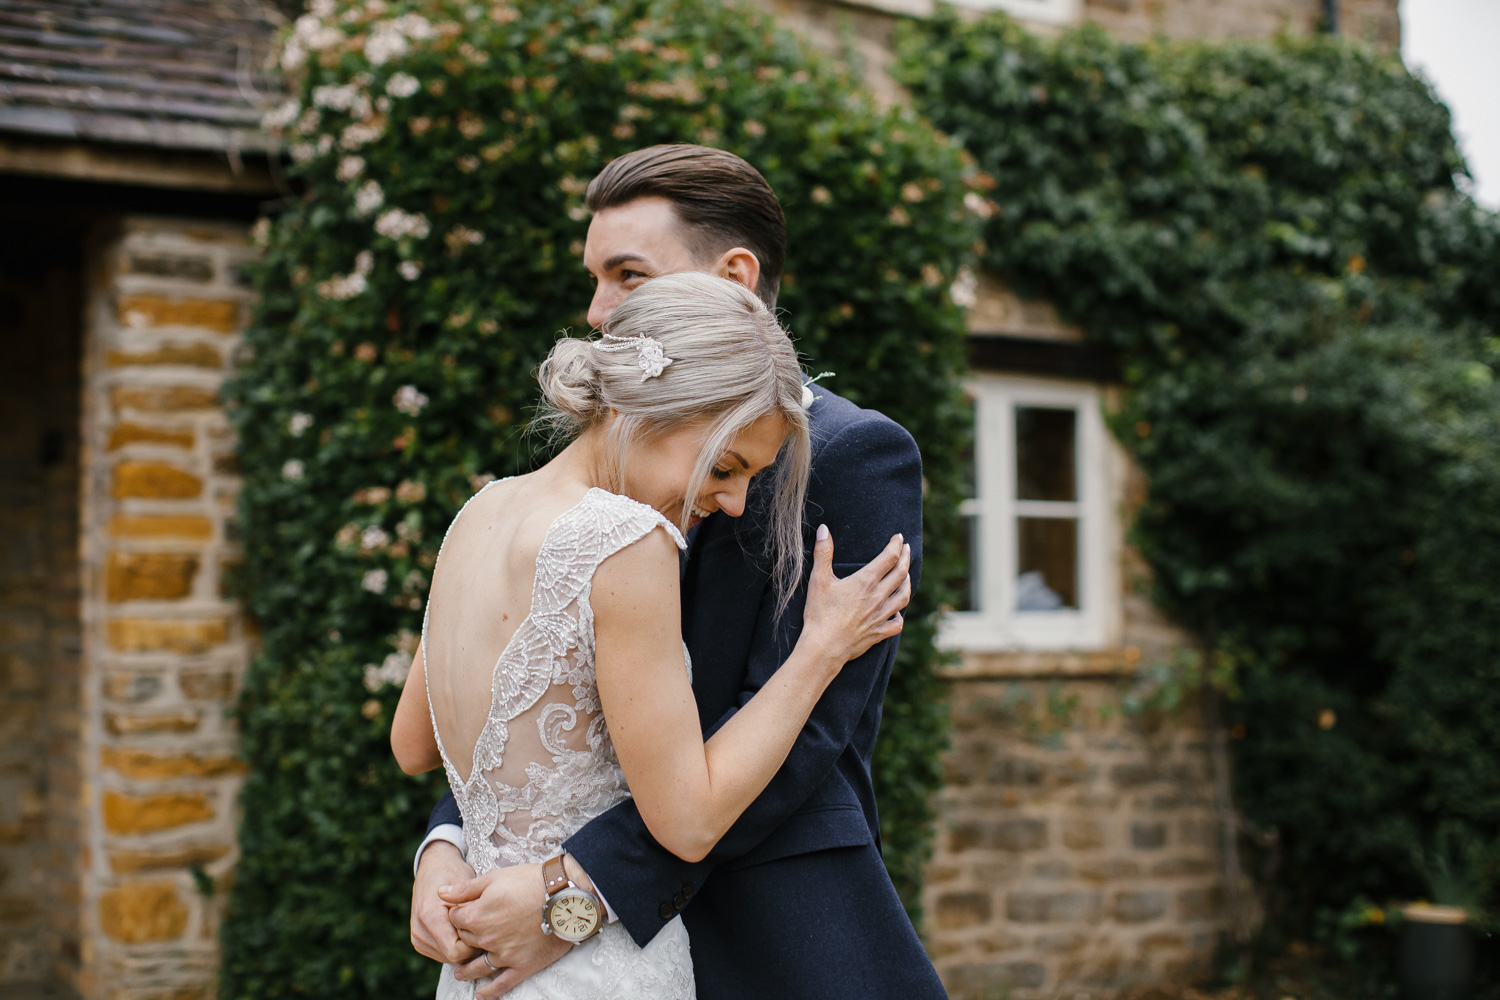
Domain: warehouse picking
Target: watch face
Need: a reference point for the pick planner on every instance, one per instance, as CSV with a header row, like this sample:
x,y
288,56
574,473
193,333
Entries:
x,y
573,915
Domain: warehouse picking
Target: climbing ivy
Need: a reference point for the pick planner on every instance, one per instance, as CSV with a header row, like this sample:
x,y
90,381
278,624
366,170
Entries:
x,y
1274,239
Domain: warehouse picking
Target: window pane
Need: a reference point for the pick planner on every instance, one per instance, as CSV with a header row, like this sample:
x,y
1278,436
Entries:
x,y
1047,563
1045,463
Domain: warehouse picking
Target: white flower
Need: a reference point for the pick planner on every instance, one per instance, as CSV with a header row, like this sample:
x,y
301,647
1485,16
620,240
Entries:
x,y
461,236
393,670
360,133
292,56
375,581
260,233
963,289
369,197
364,261
342,287
979,205
292,470
302,152
394,224
351,167
322,8
314,35
402,85
408,400
309,121
410,270
339,97
373,537
325,143
281,115
298,425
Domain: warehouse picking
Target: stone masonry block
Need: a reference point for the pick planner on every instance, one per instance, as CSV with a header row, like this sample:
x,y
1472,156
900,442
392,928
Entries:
x,y
1018,834
956,910
1053,907
190,355
980,981
149,576
146,764
1139,907
143,911
161,264
1146,836
141,311
184,526
155,480
124,434
131,686
163,398
136,635
124,724
1082,834
134,862
127,814
207,685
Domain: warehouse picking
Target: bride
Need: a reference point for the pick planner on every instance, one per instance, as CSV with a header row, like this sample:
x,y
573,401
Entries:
x,y
552,660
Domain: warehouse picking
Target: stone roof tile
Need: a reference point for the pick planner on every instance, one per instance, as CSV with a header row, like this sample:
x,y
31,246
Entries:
x,y
180,74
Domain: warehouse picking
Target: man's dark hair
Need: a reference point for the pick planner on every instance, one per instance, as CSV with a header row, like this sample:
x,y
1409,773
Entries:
x,y
721,200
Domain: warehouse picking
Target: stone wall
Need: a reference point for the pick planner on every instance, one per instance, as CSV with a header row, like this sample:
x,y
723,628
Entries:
x,y
164,647
1373,21
39,663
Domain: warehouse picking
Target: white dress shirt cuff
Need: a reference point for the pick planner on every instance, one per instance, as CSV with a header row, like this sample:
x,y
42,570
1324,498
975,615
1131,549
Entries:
x,y
451,832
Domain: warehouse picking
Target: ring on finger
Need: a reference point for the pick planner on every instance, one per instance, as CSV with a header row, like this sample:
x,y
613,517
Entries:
x,y
486,956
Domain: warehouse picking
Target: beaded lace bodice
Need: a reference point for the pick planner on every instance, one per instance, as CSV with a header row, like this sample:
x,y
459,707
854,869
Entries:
x,y
543,764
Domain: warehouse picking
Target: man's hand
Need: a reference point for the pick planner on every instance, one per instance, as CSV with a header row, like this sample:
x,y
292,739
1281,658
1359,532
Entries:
x,y
500,915
432,933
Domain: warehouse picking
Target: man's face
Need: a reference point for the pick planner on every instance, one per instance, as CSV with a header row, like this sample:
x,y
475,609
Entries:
x,y
630,244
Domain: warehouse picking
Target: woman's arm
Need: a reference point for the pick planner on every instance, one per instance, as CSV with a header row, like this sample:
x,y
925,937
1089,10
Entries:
x,y
689,792
412,739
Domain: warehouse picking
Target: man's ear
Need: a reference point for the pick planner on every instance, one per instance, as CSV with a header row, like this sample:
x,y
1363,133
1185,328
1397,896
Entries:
x,y
739,264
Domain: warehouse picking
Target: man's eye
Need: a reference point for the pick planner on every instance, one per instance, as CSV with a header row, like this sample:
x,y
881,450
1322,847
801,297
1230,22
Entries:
x,y
631,275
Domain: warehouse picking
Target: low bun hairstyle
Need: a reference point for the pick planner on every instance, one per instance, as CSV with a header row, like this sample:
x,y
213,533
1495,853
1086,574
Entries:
x,y
731,364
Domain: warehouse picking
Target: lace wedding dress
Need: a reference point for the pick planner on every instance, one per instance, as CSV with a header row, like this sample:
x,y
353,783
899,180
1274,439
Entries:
x,y
543,765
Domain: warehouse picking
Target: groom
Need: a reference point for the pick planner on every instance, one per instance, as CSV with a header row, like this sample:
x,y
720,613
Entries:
x,y
794,901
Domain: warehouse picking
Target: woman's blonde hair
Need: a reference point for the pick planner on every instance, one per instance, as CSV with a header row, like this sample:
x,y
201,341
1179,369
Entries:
x,y
732,364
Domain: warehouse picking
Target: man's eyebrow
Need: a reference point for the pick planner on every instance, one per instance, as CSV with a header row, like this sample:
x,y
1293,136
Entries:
x,y
621,258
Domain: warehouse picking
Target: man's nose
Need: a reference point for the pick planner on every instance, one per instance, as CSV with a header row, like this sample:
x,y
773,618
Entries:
x,y
604,302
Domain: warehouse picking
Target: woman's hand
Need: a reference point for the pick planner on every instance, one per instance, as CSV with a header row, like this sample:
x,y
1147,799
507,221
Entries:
x,y
845,617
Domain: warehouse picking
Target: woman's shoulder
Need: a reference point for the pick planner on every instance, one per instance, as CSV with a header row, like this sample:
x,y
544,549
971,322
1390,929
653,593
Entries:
x,y
628,518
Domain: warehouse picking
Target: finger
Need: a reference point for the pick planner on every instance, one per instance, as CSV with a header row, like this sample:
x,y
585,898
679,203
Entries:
x,y
896,601
894,626
898,573
472,970
883,563
456,952
461,892
823,552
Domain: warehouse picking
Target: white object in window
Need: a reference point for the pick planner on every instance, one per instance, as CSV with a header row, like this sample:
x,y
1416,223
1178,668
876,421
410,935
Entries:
x,y
1042,543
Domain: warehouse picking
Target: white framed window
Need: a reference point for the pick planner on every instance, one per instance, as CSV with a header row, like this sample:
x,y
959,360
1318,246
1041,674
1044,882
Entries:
x,y
1038,521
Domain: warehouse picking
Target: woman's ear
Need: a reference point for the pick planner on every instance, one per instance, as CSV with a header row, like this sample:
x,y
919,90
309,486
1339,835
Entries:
x,y
740,265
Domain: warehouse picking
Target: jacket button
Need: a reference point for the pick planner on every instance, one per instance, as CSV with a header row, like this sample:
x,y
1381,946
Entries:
x,y
688,890
679,900
666,911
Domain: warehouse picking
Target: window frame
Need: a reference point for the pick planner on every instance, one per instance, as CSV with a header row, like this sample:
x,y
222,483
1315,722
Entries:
x,y
1062,12
996,626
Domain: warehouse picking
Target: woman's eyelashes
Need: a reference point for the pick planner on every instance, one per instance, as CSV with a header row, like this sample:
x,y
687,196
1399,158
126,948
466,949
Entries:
x,y
722,475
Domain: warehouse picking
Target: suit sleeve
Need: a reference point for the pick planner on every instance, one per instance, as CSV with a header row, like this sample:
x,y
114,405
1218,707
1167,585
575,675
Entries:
x,y
866,485
445,812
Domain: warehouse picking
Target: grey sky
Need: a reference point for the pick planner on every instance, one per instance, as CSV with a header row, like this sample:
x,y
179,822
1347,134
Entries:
x,y
1454,44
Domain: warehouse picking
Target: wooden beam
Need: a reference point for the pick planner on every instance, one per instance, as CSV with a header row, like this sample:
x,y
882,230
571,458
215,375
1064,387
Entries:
x,y
251,174
1052,358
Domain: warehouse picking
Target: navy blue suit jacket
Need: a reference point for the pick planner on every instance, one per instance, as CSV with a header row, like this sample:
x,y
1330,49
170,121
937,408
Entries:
x,y
794,900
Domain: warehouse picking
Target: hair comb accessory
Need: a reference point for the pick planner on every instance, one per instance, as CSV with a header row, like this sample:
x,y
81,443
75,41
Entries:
x,y
807,394
650,355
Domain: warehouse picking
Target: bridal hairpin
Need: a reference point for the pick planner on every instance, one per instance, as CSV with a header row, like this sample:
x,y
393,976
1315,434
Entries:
x,y
651,356
807,394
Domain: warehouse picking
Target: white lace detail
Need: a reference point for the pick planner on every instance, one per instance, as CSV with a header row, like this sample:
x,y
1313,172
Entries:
x,y
543,764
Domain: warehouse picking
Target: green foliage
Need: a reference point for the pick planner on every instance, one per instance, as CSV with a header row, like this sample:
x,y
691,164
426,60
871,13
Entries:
x,y
390,369
1306,311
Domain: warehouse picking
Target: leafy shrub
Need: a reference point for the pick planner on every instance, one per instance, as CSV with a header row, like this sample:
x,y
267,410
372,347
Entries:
x,y
1306,312
405,299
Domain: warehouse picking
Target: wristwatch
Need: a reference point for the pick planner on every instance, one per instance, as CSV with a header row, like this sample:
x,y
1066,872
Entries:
x,y
572,913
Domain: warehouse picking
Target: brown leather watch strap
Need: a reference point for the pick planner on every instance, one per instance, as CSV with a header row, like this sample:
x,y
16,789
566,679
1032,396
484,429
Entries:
x,y
554,875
